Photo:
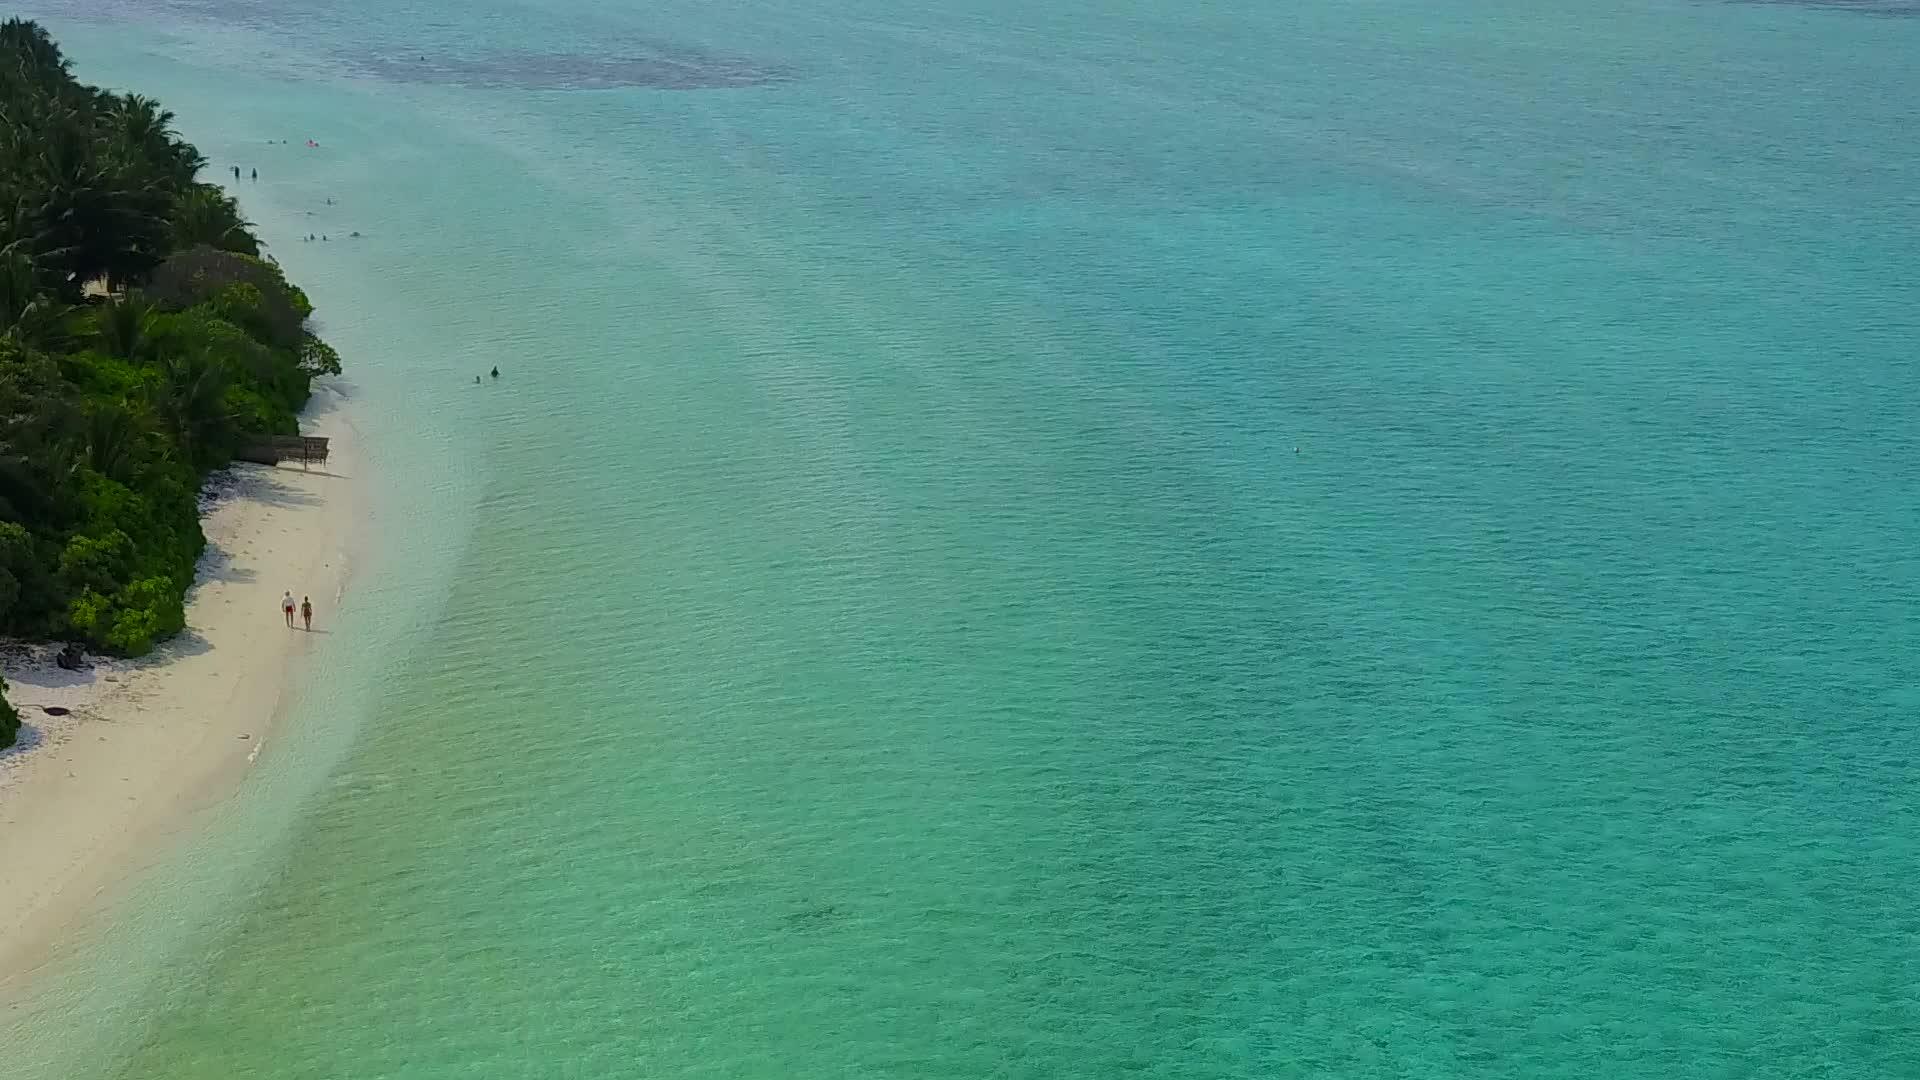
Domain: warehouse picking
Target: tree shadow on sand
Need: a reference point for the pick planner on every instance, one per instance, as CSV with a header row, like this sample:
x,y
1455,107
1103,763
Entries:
x,y
261,484
188,642
26,740
216,564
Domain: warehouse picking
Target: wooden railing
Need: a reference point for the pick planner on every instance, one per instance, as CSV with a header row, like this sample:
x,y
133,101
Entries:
x,y
305,449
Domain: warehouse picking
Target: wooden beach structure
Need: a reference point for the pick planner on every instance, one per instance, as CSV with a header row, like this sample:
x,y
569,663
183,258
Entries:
x,y
305,449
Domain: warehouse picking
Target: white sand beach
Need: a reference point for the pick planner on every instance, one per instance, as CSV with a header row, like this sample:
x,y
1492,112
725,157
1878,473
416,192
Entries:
x,y
90,798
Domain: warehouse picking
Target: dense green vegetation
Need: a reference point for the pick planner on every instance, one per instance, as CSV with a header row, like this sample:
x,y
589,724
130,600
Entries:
x,y
9,719
143,340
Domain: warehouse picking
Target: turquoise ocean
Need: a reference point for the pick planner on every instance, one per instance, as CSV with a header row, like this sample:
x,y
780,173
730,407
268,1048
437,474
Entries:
x,y
1064,539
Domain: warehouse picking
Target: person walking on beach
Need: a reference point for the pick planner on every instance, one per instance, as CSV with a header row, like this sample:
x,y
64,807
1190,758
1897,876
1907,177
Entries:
x,y
255,172
306,612
286,607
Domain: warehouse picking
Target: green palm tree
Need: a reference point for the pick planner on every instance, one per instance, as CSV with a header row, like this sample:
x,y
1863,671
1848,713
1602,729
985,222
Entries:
x,y
192,399
147,128
90,208
126,328
117,441
29,51
203,214
38,454
27,314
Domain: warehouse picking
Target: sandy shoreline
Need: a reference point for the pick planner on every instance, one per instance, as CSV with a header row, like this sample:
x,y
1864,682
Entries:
x,y
89,799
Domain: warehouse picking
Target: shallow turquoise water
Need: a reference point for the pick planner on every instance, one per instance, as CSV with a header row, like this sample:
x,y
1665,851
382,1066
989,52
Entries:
x,y
881,624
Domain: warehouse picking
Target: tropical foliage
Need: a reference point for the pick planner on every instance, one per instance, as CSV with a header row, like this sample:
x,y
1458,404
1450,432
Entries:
x,y
143,339
9,719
